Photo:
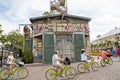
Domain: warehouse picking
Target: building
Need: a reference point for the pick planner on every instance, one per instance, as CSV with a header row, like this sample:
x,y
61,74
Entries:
x,y
67,34
108,40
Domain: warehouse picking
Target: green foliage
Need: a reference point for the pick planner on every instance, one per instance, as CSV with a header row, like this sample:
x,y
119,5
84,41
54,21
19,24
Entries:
x,y
46,13
28,56
16,38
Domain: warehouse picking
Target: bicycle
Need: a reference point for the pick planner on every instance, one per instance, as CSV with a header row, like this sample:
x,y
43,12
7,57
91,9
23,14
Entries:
x,y
22,72
82,67
107,60
53,73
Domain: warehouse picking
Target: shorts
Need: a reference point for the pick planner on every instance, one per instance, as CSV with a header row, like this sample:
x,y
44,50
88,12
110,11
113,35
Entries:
x,y
7,65
84,61
57,66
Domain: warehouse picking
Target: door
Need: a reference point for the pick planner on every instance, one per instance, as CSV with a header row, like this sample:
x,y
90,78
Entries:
x,y
64,44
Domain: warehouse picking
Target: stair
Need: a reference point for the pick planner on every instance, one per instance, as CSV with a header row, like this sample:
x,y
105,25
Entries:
x,y
37,60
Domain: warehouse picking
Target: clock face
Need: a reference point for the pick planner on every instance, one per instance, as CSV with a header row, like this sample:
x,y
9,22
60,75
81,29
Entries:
x,y
26,29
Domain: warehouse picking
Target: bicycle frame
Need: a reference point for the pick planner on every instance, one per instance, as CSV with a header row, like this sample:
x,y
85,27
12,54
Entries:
x,y
13,70
57,72
87,65
106,60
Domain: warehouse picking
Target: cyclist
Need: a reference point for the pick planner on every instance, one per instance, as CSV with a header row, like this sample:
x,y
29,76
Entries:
x,y
84,56
11,61
56,62
105,53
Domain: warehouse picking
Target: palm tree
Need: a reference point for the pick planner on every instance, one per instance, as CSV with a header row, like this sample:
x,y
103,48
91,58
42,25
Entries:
x,y
47,14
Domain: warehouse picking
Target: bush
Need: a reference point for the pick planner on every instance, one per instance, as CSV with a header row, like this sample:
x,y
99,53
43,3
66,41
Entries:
x,y
27,55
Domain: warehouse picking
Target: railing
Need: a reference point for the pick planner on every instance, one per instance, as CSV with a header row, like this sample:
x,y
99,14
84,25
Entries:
x,y
41,28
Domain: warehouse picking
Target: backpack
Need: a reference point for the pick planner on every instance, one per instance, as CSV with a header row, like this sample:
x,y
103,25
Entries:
x,y
67,61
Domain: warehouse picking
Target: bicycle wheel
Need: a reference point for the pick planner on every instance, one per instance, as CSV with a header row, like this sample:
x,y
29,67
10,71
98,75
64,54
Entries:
x,y
50,74
22,72
4,74
95,66
102,62
81,67
70,73
110,61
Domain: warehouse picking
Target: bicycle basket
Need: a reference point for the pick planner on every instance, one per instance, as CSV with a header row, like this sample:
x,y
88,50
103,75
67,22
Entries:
x,y
21,64
67,61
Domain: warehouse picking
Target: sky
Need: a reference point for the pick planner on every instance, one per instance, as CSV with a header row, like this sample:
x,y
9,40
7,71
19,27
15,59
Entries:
x,y
104,14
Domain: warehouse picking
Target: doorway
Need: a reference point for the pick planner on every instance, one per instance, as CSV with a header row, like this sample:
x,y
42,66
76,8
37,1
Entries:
x,y
64,44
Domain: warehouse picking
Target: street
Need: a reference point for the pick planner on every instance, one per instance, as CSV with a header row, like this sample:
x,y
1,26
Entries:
x,y
109,72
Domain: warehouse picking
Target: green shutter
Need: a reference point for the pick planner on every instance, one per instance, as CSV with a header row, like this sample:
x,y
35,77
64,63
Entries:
x,y
28,42
79,44
48,47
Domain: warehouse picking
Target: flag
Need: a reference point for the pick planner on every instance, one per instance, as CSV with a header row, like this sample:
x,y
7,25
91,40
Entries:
x,y
87,29
66,27
46,27
39,28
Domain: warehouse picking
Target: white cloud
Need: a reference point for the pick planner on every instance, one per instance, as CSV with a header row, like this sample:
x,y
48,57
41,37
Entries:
x,y
105,15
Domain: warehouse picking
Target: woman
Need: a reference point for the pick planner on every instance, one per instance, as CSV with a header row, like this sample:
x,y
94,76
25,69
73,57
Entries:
x,y
11,61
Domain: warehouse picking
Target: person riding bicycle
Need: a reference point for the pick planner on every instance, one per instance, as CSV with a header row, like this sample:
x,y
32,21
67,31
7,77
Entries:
x,y
11,61
56,62
105,54
84,56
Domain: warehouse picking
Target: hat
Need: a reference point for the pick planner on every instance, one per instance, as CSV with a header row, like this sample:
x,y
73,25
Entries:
x,y
82,49
11,52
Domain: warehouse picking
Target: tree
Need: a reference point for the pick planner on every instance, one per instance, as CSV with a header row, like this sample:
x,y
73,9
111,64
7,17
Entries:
x,y
98,36
46,13
16,38
1,29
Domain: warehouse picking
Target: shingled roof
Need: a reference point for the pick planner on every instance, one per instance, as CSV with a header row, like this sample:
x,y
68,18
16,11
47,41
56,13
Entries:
x,y
110,33
57,15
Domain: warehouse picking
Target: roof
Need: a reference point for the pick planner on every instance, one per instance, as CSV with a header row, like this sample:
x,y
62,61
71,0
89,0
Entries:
x,y
110,33
57,15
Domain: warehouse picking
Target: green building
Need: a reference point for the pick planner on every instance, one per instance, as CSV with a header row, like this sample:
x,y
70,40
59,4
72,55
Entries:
x,y
67,34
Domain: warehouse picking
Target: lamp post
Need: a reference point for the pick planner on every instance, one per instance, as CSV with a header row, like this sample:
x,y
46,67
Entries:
x,y
2,53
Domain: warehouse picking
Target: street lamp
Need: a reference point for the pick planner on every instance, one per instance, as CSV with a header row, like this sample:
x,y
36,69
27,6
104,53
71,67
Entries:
x,y
2,52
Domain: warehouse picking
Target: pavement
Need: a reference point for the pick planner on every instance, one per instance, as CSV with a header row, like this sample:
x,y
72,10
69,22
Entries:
x,y
37,71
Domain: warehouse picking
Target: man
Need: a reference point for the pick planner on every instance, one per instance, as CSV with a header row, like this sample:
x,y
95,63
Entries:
x,y
56,62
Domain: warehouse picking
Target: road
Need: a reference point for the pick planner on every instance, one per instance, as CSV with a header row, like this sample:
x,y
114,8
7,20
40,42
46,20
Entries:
x,y
109,72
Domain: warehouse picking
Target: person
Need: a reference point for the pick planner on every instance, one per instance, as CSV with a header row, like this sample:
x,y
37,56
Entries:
x,y
105,53
11,61
114,52
118,51
84,56
39,53
56,62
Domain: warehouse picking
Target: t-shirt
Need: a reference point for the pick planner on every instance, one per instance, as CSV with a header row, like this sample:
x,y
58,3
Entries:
x,y
83,57
103,54
10,59
118,51
114,52
55,60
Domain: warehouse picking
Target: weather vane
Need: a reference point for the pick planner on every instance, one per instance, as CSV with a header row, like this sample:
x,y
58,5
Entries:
x,y
58,6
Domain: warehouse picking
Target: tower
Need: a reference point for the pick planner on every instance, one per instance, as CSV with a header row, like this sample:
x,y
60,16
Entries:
x,y
58,7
